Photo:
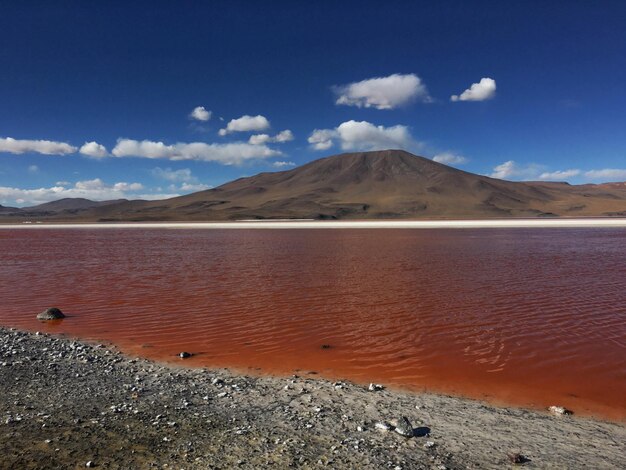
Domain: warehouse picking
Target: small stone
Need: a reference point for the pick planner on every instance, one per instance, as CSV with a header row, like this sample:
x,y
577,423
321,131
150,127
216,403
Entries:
x,y
429,444
375,387
90,464
382,426
559,410
404,427
515,457
184,355
51,313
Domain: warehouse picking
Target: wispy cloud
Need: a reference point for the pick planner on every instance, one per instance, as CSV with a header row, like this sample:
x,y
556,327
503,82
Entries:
x,y
281,164
512,170
559,175
449,158
94,189
481,91
363,135
383,92
45,147
281,137
182,175
607,174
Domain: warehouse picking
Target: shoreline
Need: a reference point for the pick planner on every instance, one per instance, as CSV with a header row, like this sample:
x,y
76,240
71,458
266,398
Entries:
x,y
66,402
338,224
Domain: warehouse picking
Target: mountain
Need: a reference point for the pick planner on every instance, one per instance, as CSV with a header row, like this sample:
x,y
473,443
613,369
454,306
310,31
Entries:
x,y
70,204
8,210
372,185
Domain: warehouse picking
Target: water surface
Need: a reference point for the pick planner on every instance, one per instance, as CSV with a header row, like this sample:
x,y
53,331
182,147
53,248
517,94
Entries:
x,y
529,317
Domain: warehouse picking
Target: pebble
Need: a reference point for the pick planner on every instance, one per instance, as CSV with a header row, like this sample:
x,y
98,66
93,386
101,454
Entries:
x,y
559,410
382,426
375,387
184,355
404,427
90,464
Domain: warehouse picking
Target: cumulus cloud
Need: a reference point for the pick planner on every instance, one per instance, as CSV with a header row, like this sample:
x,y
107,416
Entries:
x,y
483,90
561,175
283,164
607,174
363,135
200,114
449,158
226,154
45,147
281,137
322,139
94,189
94,149
383,92
246,124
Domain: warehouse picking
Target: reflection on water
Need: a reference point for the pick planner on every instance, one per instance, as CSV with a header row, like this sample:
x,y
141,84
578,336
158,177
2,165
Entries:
x,y
525,316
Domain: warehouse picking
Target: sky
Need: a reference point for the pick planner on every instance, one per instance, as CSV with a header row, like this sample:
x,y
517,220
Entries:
x,y
116,99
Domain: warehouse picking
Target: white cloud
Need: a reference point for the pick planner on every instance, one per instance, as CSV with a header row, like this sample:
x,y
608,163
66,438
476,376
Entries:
x,y
94,149
281,137
46,147
363,135
512,170
383,92
33,168
94,189
449,158
182,175
322,139
190,187
200,114
226,154
483,90
561,175
607,174
246,124
283,164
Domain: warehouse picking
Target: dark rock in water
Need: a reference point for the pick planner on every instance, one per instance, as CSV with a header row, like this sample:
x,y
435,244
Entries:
x,y
325,346
185,355
404,427
51,313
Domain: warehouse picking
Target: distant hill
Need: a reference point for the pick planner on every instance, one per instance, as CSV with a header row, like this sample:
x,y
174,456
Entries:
x,y
371,185
70,204
8,210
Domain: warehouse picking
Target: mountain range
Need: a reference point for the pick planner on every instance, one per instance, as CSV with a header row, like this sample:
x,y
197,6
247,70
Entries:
x,y
388,184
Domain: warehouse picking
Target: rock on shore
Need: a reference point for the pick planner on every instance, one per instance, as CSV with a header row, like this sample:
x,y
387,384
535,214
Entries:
x,y
64,403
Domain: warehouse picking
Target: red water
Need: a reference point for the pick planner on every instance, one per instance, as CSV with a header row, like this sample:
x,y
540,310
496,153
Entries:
x,y
530,317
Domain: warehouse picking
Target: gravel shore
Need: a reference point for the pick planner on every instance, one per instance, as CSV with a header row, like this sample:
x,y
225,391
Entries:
x,y
70,404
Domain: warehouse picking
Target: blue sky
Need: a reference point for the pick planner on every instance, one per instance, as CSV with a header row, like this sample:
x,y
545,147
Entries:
x,y
540,90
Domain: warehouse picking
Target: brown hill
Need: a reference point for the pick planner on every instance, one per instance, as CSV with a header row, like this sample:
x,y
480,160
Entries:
x,y
369,185
70,204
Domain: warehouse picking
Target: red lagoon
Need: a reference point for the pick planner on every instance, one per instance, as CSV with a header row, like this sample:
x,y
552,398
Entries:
x,y
529,317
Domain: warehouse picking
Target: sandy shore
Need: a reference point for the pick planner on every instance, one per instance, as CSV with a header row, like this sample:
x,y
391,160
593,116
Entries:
x,y
64,403
339,224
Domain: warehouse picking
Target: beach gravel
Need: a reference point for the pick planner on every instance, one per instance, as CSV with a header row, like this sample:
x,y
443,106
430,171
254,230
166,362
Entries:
x,y
71,404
